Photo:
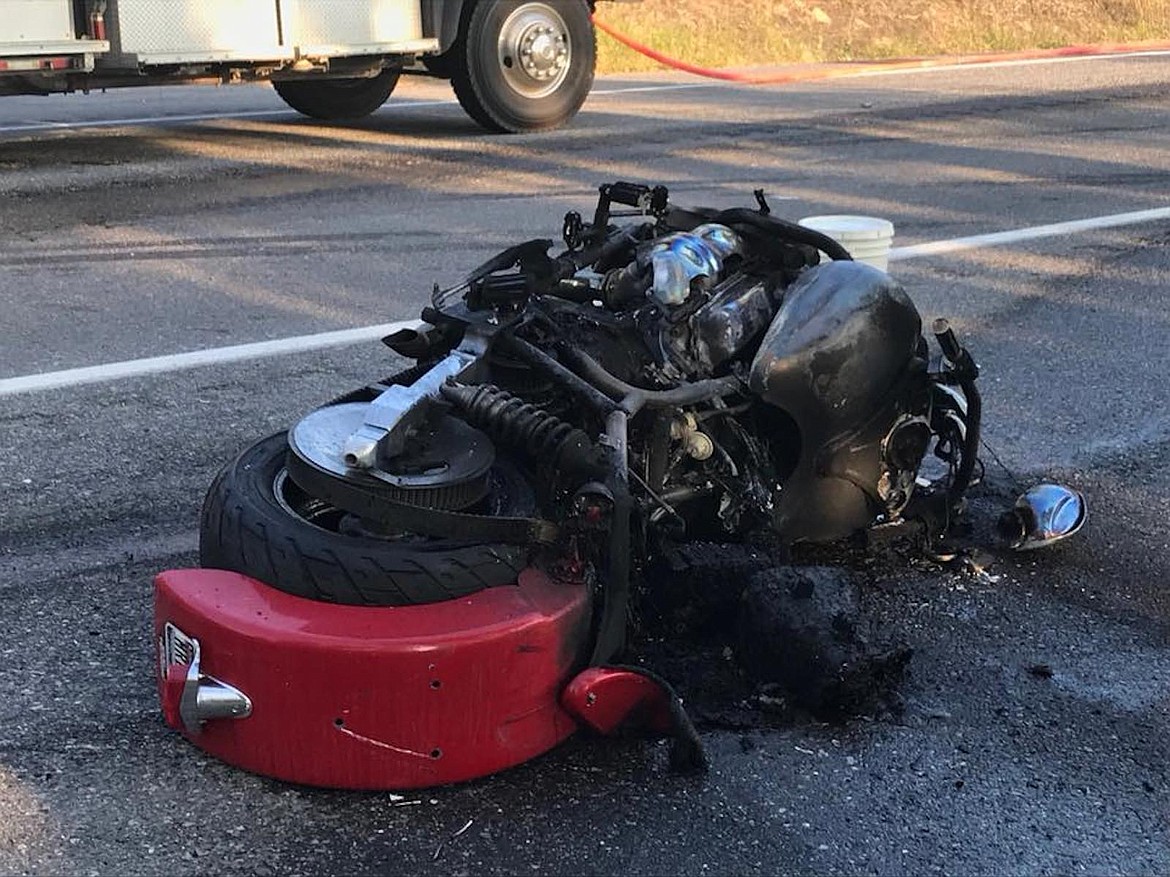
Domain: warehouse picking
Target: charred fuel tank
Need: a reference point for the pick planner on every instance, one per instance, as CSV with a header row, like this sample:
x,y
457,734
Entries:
x,y
842,359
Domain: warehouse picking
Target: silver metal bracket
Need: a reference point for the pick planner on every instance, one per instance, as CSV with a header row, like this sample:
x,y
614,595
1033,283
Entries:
x,y
203,697
391,415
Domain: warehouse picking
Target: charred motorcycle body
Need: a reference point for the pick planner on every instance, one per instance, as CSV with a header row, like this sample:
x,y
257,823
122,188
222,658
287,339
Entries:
x,y
426,579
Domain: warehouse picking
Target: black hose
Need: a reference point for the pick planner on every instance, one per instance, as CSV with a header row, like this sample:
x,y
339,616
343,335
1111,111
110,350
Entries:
x,y
536,357
611,627
966,371
784,228
633,399
610,630
970,444
623,240
658,452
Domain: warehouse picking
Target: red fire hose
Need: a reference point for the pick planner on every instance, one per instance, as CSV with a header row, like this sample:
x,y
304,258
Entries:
x,y
862,68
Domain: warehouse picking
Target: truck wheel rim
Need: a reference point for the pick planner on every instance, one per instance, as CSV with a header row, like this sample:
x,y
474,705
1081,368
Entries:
x,y
534,51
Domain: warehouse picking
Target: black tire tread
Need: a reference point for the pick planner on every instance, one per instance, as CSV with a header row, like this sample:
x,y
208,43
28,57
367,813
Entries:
x,y
240,530
473,101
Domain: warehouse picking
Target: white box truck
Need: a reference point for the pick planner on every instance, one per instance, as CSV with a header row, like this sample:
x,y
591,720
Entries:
x,y
515,65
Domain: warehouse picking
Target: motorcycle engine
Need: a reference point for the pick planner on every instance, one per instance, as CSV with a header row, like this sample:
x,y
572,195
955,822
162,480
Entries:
x,y
724,323
834,354
711,309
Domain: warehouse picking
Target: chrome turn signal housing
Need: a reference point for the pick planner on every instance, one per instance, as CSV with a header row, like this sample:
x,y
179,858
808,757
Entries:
x,y
1045,514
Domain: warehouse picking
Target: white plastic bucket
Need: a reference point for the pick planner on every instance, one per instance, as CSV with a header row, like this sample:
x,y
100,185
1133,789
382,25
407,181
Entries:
x,y
867,238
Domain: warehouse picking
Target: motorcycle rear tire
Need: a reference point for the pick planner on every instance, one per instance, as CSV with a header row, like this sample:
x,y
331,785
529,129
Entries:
x,y
246,527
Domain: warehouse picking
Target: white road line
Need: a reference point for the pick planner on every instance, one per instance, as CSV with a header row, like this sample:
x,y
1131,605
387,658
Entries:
x,y
112,371
958,245
1022,62
195,117
259,114
897,71
301,343
633,89
142,120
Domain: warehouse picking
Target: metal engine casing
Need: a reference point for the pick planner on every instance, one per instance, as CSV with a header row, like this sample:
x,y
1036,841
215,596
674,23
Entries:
x,y
841,359
739,310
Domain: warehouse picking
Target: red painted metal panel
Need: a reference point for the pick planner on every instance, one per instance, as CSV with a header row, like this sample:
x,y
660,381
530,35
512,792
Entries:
x,y
379,697
609,698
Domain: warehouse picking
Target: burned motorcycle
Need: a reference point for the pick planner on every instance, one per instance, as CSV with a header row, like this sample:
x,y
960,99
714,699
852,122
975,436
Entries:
x,y
686,372
670,374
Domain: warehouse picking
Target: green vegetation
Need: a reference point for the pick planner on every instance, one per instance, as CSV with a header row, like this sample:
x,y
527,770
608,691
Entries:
x,y
733,33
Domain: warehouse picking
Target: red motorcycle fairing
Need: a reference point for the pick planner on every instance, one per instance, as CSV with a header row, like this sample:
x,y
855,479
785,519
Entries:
x,y
368,697
612,699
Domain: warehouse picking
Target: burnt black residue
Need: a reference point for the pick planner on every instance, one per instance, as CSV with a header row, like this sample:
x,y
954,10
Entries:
x,y
802,628
749,639
760,635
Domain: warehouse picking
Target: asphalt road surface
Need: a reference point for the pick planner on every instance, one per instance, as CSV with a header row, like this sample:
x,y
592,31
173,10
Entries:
x,y
222,219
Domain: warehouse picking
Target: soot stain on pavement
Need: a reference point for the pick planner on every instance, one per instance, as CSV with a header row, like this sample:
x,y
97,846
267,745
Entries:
x,y
754,636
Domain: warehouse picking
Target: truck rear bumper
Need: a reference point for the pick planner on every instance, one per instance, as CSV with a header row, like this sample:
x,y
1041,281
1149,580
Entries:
x,y
53,47
65,56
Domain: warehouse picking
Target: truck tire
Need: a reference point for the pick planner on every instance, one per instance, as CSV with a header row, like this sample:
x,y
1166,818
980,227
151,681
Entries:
x,y
524,65
256,521
338,99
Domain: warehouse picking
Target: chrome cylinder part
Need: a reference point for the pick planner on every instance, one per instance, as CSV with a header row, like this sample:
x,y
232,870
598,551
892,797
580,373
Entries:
x,y
217,700
203,697
389,417
1045,514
